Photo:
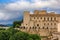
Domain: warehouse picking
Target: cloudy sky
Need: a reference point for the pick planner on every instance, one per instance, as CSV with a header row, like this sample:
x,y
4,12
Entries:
x,y
11,10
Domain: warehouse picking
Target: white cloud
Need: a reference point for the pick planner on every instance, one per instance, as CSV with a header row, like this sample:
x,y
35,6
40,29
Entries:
x,y
8,16
9,11
36,4
18,5
2,16
23,4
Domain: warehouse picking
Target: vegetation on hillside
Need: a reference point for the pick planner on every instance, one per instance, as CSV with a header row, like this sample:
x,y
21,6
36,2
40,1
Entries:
x,y
14,34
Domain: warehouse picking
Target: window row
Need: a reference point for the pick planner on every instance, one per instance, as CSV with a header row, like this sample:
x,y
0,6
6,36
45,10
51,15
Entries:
x,y
33,28
46,18
47,24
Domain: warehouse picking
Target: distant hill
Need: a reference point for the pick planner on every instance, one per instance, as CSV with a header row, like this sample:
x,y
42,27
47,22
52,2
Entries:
x,y
7,25
1,25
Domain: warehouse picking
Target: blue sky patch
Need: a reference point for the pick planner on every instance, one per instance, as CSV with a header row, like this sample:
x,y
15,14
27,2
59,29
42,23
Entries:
x,y
12,10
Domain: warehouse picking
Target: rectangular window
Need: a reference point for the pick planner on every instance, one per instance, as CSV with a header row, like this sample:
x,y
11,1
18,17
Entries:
x,y
54,18
48,19
51,18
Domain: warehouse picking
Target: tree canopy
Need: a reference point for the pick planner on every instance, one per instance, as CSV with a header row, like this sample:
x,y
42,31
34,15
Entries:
x,y
16,24
14,34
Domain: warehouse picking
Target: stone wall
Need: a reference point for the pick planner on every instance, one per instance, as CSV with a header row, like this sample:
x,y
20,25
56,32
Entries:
x,y
41,22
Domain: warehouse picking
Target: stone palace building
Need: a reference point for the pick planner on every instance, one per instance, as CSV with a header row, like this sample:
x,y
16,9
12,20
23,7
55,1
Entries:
x,y
40,22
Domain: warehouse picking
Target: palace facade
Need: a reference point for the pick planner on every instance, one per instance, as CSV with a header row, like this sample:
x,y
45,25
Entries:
x,y
40,22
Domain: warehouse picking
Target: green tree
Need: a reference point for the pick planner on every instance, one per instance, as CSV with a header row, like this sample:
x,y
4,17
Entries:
x,y
4,35
20,36
15,23
17,26
14,34
2,29
35,37
24,36
12,31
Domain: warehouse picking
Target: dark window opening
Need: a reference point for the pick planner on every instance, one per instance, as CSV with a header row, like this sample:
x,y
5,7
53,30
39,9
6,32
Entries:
x,y
37,17
51,23
43,27
51,18
37,24
54,18
41,17
30,27
33,27
48,23
48,19
24,27
44,23
26,24
54,23
47,27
